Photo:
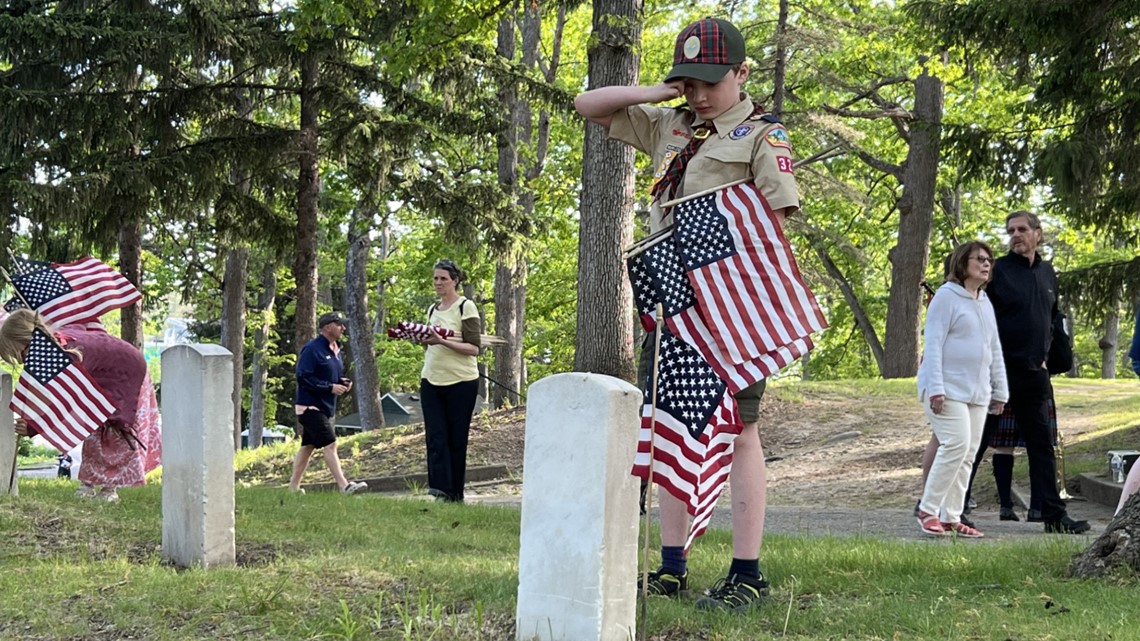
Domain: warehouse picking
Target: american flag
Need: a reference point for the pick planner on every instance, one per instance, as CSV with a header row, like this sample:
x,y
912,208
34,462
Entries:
x,y
747,284
57,397
73,293
657,276
417,331
693,431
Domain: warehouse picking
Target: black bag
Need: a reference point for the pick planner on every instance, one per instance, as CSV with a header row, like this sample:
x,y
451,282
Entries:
x,y
1061,348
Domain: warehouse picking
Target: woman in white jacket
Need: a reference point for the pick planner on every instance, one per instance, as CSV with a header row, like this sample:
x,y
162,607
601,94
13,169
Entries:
x,y
961,377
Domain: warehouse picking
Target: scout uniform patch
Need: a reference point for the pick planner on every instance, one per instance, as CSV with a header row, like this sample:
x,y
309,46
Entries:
x,y
778,137
740,132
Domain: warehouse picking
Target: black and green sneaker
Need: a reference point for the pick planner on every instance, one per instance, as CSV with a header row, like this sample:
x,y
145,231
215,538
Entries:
x,y
734,593
665,583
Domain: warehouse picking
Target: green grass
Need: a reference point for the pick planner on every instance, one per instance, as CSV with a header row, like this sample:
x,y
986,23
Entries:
x,y
326,566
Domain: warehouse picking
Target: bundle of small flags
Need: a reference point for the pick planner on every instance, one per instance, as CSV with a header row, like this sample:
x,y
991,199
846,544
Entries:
x,y
407,330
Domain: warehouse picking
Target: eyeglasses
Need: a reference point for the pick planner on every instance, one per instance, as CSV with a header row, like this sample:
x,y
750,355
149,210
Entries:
x,y
985,260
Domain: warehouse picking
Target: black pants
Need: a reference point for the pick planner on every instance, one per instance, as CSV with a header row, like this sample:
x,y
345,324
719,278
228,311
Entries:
x,y
447,422
1029,394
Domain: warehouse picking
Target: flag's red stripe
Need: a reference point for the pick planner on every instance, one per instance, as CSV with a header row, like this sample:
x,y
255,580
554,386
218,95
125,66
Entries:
x,y
760,226
778,250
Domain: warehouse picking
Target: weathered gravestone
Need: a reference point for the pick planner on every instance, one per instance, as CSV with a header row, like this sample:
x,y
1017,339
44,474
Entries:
x,y
197,456
8,482
578,541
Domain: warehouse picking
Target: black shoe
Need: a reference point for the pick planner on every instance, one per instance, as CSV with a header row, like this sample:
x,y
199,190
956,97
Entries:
x,y
1007,514
1034,516
664,583
734,593
965,521
1066,526
916,510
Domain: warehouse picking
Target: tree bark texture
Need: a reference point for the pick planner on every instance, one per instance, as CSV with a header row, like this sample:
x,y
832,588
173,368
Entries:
x,y
506,371
259,376
130,264
1111,338
366,377
916,216
1118,547
308,190
780,73
233,325
604,338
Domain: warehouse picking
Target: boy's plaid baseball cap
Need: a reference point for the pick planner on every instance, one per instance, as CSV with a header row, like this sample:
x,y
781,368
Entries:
x,y
707,50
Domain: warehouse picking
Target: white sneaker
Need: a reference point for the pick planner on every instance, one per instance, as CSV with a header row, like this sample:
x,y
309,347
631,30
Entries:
x,y
354,486
86,491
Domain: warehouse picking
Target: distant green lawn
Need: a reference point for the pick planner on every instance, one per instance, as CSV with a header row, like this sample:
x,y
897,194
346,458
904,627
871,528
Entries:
x,y
327,566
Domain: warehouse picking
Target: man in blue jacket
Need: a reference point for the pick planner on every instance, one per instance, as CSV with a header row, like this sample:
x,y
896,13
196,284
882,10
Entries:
x,y
320,381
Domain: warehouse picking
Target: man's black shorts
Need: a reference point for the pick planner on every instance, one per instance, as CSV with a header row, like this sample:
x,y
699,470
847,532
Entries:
x,y
316,429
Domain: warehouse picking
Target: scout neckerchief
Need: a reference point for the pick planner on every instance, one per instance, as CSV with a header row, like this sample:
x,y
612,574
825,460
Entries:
x,y
666,188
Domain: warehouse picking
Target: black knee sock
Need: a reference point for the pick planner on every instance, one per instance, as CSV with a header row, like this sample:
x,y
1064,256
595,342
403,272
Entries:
x,y
673,560
1003,476
745,567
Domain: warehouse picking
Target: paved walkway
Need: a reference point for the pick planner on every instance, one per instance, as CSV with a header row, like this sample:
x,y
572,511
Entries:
x,y
838,521
887,522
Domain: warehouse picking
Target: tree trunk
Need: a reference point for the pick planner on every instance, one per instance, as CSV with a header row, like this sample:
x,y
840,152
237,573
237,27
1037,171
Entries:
x,y
916,216
506,369
259,376
1111,337
1118,547
233,325
130,264
780,73
366,377
308,190
604,339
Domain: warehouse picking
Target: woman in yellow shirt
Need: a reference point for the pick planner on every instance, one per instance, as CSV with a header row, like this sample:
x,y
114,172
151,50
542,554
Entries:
x,y
449,383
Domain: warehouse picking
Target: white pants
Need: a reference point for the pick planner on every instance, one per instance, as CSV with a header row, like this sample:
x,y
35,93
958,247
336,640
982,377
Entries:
x,y
959,431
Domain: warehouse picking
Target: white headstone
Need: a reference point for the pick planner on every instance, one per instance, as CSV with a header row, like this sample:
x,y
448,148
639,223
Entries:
x,y
197,456
8,482
578,541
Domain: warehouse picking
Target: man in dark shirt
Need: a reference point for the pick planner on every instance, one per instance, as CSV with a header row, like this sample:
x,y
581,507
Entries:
x,y
1024,296
319,382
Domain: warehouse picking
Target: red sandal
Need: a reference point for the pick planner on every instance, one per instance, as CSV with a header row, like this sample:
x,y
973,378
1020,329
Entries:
x,y
962,530
930,524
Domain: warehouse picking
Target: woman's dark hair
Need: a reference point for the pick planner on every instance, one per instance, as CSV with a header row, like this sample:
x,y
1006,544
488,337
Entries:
x,y
449,266
960,260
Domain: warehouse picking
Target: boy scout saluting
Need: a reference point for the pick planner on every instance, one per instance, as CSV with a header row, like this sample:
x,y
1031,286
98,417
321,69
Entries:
x,y
717,138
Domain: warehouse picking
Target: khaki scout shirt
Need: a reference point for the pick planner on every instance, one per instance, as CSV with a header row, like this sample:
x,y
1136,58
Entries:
x,y
743,147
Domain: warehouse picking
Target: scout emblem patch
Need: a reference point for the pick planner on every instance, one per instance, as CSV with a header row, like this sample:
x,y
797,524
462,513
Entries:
x,y
777,137
740,132
785,164
692,47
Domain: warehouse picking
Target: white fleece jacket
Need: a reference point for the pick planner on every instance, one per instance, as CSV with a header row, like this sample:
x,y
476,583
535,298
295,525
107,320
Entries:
x,y
962,358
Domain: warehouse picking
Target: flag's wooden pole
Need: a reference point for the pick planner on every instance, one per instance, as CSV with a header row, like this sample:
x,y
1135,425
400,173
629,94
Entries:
x,y
706,192
649,476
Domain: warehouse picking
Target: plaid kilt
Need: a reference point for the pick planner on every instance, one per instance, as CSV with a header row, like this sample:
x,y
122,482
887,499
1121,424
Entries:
x,y
1007,434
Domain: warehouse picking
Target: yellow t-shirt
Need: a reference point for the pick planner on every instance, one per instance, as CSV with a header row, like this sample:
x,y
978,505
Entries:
x,y
443,365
